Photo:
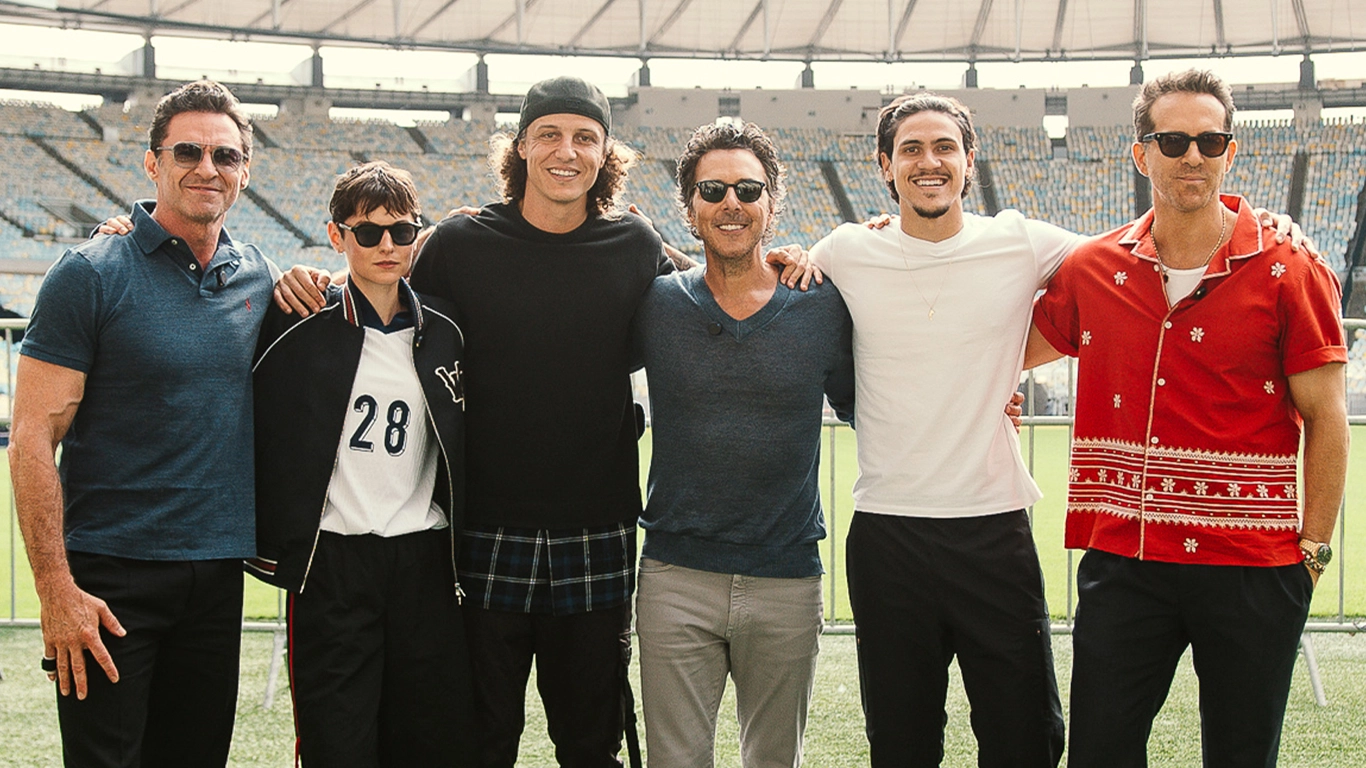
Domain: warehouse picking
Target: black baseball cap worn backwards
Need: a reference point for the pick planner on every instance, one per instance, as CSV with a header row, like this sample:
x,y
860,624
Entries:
x,y
560,95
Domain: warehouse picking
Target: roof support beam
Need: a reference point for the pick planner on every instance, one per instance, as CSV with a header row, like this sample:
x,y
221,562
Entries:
x,y
1058,25
673,18
574,41
744,28
1140,29
826,20
522,7
173,10
983,11
1301,19
272,13
1220,40
902,25
446,6
352,11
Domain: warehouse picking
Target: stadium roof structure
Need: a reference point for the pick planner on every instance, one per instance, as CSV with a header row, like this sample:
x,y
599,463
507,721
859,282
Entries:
x,y
800,30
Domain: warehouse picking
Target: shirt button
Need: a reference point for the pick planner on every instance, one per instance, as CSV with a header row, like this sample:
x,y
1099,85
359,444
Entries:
x,y
1154,441
1167,324
1161,382
192,267
175,241
1156,268
1148,497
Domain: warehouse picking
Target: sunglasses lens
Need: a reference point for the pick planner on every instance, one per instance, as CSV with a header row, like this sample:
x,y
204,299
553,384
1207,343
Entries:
x,y
748,191
187,154
367,235
711,191
1211,144
1173,144
403,233
226,158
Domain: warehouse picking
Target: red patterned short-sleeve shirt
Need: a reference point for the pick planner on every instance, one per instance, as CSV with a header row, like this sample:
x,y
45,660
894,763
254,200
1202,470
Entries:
x,y
1186,439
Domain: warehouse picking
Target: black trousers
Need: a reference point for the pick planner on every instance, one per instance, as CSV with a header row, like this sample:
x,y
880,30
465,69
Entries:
x,y
924,590
581,664
377,658
1135,619
176,698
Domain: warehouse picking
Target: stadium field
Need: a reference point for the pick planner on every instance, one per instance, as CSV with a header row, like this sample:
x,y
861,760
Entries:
x,y
1313,736
1050,471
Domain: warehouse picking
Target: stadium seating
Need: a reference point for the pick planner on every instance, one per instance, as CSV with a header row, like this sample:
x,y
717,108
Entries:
x,y
1091,191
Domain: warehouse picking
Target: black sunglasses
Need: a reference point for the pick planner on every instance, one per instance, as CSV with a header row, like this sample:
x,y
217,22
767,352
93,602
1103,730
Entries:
x,y
746,190
187,154
368,235
1172,144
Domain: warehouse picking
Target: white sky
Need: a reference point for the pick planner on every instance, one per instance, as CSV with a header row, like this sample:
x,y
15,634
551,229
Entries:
x,y
27,47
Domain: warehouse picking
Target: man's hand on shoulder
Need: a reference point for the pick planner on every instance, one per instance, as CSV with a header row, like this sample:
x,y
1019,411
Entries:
x,y
1284,226
118,225
302,289
798,271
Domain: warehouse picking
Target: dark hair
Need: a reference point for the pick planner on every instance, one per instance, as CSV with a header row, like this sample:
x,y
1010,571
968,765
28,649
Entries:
x,y
730,135
199,96
371,186
509,169
902,107
1189,81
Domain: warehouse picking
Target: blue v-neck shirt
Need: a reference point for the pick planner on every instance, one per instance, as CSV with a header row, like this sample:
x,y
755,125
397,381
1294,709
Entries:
x,y
736,410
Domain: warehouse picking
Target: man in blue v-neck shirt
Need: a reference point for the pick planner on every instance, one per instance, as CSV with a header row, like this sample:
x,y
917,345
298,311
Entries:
x,y
739,364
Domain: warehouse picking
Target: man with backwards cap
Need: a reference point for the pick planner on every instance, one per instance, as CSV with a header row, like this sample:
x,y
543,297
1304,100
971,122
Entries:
x,y
545,284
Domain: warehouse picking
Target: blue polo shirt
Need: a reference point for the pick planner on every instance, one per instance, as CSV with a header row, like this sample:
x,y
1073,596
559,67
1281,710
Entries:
x,y
158,463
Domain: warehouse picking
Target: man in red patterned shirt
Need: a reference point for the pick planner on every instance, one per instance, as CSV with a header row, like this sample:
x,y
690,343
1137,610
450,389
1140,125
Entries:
x,y
1202,348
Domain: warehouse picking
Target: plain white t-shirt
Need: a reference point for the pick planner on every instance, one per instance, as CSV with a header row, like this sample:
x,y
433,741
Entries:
x,y
933,437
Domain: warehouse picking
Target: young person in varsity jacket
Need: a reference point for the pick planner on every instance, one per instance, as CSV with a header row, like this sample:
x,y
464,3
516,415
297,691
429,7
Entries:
x,y
360,495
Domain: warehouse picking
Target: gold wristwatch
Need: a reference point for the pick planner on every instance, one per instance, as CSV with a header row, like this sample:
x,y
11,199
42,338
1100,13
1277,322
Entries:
x,y
1317,555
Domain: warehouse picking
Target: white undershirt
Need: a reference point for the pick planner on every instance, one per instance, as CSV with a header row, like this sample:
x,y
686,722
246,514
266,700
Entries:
x,y
933,437
1181,282
386,464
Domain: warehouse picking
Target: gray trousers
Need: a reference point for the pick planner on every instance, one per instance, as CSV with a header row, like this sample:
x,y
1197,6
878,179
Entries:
x,y
697,627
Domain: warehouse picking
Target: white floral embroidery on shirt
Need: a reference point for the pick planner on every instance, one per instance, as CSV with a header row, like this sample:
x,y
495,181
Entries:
x,y
1263,491
1134,482
1103,475
1073,475
1290,491
1168,484
1116,401
1120,277
1119,477
1085,337
1277,269
1234,489
1191,544
1201,488
1197,334
1270,387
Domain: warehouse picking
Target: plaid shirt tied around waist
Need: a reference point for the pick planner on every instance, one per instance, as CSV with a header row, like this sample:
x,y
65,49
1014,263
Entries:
x,y
549,571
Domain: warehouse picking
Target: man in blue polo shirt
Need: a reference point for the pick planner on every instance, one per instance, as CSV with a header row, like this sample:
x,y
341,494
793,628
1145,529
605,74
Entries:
x,y
138,361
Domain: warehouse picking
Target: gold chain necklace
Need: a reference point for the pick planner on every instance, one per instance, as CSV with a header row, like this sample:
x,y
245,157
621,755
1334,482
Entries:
x,y
930,305
1166,271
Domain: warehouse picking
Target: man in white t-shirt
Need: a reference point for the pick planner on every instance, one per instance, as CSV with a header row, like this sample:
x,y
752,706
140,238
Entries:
x,y
940,557
941,561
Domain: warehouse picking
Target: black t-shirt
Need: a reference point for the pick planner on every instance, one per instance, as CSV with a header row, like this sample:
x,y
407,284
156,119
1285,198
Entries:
x,y
550,426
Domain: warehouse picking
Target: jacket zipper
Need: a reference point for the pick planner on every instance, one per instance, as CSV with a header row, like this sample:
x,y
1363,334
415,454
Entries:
x,y
450,484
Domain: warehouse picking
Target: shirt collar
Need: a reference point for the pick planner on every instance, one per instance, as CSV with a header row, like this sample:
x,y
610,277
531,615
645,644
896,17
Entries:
x,y
1245,242
361,313
150,236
